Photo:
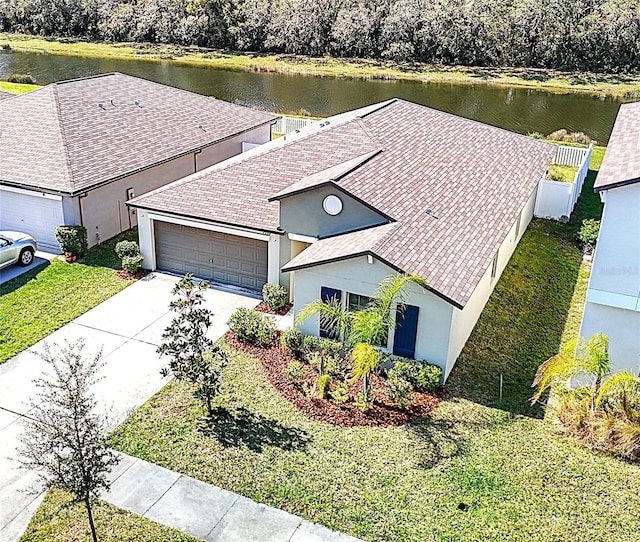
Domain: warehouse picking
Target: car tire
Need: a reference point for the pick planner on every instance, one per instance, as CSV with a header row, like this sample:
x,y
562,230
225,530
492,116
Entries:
x,y
26,257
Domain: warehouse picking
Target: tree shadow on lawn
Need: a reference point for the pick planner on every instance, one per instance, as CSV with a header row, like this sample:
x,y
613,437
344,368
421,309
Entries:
x,y
523,322
445,435
242,427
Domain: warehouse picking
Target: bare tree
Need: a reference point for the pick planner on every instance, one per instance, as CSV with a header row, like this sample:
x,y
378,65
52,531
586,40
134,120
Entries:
x,y
63,440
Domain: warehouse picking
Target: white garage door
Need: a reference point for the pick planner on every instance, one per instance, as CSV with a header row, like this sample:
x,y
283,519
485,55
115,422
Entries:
x,y
34,214
215,256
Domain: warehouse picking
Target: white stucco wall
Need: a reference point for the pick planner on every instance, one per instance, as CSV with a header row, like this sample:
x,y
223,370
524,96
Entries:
x,y
104,212
463,321
360,277
613,297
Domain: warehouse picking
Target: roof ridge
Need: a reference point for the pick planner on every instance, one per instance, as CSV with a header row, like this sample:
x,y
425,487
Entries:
x,y
63,137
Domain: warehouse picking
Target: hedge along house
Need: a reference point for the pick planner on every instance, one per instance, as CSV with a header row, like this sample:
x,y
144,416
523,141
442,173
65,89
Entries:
x,y
74,152
613,297
330,212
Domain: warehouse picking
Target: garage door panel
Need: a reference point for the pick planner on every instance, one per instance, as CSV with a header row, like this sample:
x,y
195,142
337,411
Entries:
x,y
33,214
215,256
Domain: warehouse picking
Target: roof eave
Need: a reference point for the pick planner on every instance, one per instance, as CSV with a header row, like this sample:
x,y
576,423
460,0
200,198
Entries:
x,y
617,184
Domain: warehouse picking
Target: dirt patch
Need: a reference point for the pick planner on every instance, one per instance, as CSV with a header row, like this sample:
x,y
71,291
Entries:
x,y
381,413
125,275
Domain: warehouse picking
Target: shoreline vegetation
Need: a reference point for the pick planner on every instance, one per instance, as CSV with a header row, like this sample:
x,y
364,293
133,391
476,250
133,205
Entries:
x,y
617,86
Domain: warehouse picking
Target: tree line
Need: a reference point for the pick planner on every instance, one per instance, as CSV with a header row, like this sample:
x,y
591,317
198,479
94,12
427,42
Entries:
x,y
586,35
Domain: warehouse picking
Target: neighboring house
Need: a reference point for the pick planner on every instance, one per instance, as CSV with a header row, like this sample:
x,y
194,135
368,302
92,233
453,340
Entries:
x,y
74,152
333,210
613,298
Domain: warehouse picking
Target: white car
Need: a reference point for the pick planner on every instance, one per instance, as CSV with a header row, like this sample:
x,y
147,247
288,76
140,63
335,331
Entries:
x,y
16,247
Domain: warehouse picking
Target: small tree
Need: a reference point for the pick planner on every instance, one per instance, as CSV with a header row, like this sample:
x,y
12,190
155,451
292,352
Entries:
x,y
193,356
63,436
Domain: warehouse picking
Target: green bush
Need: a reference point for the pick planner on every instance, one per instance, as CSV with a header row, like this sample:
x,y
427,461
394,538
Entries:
x,y
132,263
429,377
340,392
292,340
399,390
294,370
324,381
275,296
21,78
126,249
72,239
330,347
316,361
250,327
310,343
588,234
406,370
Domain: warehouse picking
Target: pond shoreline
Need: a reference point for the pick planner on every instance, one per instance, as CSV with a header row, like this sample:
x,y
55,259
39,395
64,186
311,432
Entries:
x,y
617,86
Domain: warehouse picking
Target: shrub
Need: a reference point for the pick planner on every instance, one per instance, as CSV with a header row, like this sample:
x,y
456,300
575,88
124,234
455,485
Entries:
x,y
399,390
310,343
250,327
429,377
72,239
316,361
294,370
324,382
132,263
22,78
126,249
570,137
275,296
292,341
330,347
405,370
535,135
340,392
588,234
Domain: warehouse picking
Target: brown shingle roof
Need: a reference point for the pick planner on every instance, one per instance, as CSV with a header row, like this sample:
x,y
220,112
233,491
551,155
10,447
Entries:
x,y
74,135
621,164
474,178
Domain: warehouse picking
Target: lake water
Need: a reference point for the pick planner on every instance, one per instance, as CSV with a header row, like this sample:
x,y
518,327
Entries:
x,y
517,109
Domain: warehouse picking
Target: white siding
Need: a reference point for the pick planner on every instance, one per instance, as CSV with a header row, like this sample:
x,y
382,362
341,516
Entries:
x,y
613,298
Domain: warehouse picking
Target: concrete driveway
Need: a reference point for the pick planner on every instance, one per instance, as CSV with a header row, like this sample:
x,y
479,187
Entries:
x,y
128,328
16,270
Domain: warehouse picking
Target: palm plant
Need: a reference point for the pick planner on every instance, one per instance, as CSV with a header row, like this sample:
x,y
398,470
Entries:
x,y
582,358
622,392
365,329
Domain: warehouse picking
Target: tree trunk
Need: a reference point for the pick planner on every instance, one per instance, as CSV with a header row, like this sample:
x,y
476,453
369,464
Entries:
x,y
87,505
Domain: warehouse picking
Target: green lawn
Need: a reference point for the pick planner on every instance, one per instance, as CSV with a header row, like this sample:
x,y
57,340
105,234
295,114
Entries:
x,y
47,297
17,88
57,520
478,468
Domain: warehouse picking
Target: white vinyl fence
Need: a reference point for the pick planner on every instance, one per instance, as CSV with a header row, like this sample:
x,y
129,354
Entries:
x,y
556,199
286,125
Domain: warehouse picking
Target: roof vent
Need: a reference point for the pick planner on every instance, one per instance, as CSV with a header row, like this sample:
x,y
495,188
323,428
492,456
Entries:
x,y
113,103
101,106
430,213
137,104
202,127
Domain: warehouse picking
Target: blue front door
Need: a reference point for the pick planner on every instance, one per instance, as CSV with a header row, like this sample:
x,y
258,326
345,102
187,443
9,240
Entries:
x,y
404,342
327,294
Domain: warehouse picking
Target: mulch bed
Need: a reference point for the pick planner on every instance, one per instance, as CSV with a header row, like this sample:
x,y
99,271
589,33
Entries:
x,y
382,413
140,273
263,307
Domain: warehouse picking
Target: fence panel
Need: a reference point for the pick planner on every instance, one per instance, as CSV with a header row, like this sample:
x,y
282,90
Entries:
x,y
286,125
570,156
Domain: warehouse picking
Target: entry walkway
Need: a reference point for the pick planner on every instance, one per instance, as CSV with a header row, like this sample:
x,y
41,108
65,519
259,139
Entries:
x,y
205,511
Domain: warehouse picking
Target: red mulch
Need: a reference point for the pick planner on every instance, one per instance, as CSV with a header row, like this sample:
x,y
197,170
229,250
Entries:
x,y
128,276
263,307
382,413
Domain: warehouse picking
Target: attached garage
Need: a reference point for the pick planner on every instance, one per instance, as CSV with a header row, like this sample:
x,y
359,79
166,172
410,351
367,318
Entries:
x,y
34,213
211,255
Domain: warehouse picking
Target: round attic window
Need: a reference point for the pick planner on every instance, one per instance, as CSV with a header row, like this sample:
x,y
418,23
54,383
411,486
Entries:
x,y
332,205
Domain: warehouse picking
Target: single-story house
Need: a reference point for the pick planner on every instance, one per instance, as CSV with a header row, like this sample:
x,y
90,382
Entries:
x,y
613,297
333,210
74,152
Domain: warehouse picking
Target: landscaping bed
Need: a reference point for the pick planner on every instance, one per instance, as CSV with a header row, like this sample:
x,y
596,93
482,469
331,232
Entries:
x,y
263,307
381,412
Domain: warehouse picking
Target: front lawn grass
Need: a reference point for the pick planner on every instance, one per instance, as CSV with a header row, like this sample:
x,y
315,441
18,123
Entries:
x,y
17,88
57,520
49,296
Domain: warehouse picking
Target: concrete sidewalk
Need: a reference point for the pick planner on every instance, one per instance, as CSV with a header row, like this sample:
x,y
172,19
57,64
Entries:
x,y
204,511
128,327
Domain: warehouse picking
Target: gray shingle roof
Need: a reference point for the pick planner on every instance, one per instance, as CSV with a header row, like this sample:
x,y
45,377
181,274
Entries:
x,y
475,178
74,135
621,164
4,95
